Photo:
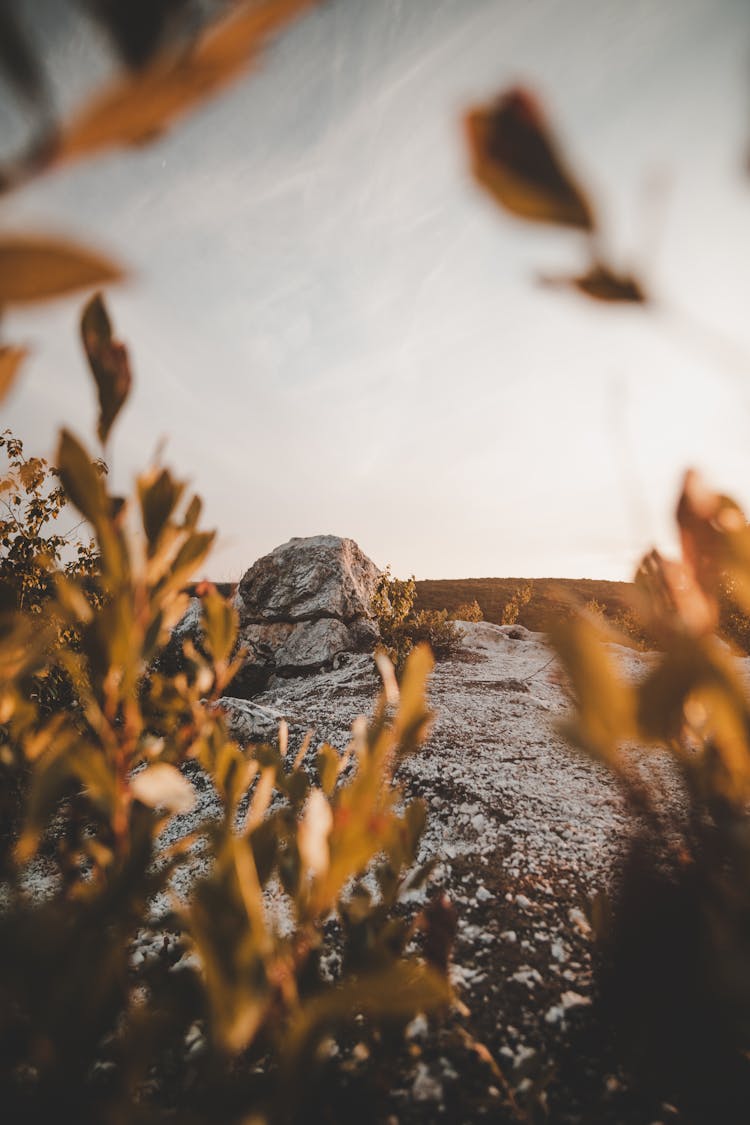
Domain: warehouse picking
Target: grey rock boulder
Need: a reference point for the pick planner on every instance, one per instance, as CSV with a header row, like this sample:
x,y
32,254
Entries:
x,y
303,605
301,608
309,579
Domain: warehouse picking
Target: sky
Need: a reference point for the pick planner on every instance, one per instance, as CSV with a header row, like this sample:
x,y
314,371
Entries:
x,y
333,330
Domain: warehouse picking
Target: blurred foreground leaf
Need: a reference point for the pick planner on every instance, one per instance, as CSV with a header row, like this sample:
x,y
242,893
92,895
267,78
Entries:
x,y
10,362
33,268
137,27
515,157
603,284
137,109
108,359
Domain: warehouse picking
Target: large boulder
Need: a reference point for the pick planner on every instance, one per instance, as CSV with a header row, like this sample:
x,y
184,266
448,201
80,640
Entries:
x,y
303,605
310,579
301,609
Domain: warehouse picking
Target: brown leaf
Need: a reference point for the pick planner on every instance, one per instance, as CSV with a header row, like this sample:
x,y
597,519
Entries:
x,y
604,284
137,109
517,160
108,359
10,361
33,269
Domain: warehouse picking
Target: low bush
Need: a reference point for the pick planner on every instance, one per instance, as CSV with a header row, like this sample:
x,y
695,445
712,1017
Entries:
x,y
402,628
520,598
467,611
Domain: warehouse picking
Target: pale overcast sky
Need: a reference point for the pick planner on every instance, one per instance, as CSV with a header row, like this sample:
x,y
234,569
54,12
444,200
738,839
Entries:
x,y
338,332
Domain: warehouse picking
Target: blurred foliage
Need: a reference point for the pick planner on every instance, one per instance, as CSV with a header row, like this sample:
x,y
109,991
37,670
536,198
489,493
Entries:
x,y
676,939
624,622
734,621
175,57
517,159
203,966
32,503
402,628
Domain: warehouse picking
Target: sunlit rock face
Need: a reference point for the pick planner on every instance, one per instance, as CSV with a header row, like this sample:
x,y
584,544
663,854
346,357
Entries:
x,y
302,606
308,580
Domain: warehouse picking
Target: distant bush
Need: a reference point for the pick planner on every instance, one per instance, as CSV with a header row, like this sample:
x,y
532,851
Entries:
x,y
626,623
467,611
401,628
514,605
33,541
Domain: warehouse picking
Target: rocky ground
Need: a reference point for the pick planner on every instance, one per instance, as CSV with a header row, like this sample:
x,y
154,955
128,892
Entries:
x,y
525,832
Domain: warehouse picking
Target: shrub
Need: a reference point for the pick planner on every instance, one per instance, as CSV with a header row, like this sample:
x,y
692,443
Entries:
x,y
33,543
119,997
676,971
401,628
514,605
626,624
467,611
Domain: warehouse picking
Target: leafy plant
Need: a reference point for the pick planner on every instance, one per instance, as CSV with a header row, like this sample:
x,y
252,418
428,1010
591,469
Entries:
x,y
175,58
467,611
402,628
514,605
676,973
517,159
33,501
119,995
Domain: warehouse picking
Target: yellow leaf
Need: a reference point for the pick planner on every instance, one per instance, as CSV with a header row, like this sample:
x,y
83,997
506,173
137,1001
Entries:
x,y
137,109
414,716
34,268
605,704
314,830
162,786
10,361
